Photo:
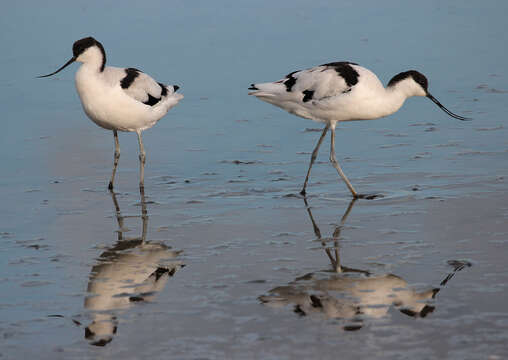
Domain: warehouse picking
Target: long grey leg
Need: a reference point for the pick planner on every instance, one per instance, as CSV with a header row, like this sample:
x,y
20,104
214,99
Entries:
x,y
144,214
313,157
142,159
119,217
115,161
335,164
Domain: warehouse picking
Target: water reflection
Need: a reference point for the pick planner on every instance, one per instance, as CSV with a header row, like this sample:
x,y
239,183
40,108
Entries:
x,y
353,295
130,271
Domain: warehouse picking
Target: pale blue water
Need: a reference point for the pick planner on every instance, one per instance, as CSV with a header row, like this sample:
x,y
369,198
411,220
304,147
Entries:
x,y
220,167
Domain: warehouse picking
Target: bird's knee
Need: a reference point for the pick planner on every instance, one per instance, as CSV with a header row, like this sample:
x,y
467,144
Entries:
x,y
142,157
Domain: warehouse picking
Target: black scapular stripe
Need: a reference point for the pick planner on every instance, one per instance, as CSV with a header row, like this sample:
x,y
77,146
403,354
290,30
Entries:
x,y
308,94
290,82
346,71
131,75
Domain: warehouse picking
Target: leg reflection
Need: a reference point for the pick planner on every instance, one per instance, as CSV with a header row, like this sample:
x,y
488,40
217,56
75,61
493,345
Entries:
x,y
352,295
130,271
335,257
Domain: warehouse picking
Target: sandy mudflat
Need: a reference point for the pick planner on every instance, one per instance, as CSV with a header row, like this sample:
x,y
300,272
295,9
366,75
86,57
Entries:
x,y
223,260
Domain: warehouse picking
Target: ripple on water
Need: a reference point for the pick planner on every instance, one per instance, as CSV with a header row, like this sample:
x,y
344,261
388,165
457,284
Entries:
x,y
389,146
191,202
241,162
495,128
35,283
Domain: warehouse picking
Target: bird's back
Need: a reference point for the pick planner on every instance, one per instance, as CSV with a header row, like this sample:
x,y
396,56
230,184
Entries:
x,y
322,93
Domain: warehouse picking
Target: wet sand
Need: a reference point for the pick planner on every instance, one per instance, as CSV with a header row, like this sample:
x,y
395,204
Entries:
x,y
223,259
229,269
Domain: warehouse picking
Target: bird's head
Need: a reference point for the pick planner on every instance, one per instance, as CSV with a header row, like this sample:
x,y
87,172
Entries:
x,y
411,83
414,83
86,50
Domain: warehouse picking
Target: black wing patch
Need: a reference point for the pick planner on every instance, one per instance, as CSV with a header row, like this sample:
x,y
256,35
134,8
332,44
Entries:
x,y
308,94
164,91
290,82
346,71
151,100
131,75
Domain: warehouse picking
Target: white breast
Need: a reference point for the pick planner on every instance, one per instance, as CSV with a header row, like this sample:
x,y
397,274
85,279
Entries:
x,y
106,104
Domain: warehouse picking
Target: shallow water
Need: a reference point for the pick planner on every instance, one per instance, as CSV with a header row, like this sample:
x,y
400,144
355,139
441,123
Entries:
x,y
223,259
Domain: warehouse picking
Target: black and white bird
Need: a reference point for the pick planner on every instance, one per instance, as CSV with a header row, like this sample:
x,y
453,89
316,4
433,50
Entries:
x,y
119,99
342,91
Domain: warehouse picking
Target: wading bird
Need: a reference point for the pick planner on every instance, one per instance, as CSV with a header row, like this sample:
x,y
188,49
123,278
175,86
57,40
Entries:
x,y
119,99
342,91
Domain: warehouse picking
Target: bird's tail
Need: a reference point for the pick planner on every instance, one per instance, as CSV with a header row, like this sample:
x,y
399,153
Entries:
x,y
271,89
171,92
170,97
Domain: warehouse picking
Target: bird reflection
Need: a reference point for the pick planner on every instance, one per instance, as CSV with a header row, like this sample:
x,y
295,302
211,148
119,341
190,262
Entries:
x,y
350,294
130,271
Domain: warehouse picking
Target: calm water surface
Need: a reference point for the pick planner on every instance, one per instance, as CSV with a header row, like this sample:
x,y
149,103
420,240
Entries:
x,y
222,259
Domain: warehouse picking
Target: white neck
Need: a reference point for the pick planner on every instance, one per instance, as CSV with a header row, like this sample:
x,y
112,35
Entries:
x,y
395,95
92,57
381,103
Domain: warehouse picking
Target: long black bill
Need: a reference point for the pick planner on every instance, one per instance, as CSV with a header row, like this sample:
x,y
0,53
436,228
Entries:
x,y
66,64
446,110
